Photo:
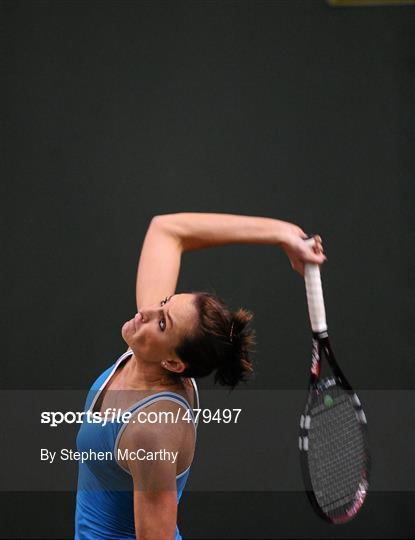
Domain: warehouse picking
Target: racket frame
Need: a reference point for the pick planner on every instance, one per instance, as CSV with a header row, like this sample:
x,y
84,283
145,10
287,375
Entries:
x,y
321,344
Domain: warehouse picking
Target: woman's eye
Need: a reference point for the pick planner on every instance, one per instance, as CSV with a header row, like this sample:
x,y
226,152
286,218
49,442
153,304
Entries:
x,y
162,324
164,301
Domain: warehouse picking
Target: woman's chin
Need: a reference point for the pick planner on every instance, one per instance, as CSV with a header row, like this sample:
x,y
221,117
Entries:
x,y
127,329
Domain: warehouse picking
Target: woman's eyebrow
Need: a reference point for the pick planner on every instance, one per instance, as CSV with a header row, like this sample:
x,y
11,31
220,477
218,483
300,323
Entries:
x,y
165,300
170,319
167,311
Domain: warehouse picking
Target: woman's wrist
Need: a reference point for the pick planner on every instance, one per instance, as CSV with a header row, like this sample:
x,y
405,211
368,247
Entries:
x,y
285,232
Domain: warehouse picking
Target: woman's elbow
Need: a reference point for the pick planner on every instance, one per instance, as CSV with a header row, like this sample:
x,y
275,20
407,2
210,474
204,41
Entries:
x,y
166,223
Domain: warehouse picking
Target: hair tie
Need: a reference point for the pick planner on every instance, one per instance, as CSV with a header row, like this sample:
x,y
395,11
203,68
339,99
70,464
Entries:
x,y
231,332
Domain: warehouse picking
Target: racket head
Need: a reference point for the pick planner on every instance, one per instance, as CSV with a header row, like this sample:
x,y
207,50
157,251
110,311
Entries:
x,y
334,451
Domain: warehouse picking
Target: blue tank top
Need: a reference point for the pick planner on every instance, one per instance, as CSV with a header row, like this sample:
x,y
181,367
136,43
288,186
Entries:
x,y
104,499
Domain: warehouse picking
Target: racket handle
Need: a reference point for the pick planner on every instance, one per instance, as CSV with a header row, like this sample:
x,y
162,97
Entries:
x,y
315,300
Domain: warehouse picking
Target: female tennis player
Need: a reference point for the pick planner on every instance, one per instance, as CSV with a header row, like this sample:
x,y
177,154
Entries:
x,y
132,486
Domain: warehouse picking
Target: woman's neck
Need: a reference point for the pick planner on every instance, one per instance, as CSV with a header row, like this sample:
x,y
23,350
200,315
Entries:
x,y
144,376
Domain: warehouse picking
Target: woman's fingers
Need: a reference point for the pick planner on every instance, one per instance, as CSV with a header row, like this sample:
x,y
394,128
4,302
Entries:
x,y
316,253
318,245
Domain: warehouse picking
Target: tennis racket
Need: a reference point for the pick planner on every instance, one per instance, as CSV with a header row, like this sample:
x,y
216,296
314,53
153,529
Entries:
x,y
334,451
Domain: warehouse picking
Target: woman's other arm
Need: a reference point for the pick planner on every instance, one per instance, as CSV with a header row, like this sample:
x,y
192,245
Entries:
x,y
154,478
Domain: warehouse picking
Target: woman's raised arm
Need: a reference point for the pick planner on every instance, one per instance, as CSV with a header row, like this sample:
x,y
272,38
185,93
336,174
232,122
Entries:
x,y
159,264
169,235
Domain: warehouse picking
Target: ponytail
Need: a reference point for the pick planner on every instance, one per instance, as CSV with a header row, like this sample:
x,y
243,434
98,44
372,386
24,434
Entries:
x,y
222,342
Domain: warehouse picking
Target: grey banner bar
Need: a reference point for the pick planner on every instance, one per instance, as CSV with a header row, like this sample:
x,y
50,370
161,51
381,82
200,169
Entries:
x,y
258,452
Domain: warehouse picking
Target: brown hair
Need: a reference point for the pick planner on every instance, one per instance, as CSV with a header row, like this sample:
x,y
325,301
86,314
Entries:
x,y
221,341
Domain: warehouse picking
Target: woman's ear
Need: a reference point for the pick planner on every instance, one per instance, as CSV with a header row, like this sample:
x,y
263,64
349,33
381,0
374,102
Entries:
x,y
174,364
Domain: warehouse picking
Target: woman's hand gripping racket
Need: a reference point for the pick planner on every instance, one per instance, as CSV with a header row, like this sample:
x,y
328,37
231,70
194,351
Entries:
x,y
333,441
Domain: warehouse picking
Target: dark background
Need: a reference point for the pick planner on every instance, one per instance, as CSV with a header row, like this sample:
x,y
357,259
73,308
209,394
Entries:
x,y
116,111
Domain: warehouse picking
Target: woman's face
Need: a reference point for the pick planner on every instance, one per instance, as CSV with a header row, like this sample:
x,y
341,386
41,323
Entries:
x,y
154,332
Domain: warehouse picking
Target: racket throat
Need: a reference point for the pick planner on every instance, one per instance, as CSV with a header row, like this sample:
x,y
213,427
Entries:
x,y
315,361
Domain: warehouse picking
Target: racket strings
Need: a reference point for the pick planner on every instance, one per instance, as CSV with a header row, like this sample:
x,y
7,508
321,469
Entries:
x,y
336,450
335,479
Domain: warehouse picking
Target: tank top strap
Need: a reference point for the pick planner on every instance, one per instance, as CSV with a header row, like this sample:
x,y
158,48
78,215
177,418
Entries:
x,y
197,402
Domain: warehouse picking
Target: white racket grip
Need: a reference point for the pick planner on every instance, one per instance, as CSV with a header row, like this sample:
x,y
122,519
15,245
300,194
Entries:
x,y
315,300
